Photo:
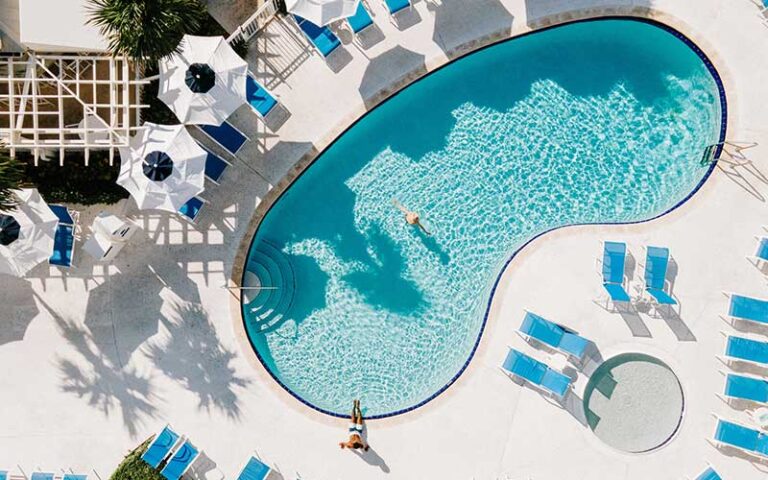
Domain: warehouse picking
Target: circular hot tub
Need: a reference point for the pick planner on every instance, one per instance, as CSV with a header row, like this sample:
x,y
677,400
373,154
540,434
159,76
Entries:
x,y
634,402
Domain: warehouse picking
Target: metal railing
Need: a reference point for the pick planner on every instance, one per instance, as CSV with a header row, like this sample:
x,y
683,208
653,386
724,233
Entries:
x,y
255,22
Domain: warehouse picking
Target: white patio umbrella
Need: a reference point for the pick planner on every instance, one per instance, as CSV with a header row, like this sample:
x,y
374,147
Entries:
x,y
162,167
26,233
205,82
322,12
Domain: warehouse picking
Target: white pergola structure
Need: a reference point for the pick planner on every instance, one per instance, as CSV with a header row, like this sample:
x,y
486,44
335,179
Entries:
x,y
54,103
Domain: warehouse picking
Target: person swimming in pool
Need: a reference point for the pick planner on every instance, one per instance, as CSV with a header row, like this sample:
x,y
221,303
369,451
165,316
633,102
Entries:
x,y
355,441
412,218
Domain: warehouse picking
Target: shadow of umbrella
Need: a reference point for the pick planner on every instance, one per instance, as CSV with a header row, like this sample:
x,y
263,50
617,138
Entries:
x,y
385,69
19,299
123,312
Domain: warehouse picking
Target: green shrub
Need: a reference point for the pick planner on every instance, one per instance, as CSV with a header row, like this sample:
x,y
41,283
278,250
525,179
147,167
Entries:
x,y
134,468
11,175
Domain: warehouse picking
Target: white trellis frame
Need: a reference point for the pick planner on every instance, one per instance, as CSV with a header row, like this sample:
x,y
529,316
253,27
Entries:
x,y
45,100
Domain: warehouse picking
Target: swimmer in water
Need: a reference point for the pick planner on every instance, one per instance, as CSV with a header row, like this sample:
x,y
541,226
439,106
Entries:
x,y
412,218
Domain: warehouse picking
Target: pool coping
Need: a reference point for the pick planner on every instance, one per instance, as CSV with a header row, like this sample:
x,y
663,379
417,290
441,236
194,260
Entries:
x,y
673,25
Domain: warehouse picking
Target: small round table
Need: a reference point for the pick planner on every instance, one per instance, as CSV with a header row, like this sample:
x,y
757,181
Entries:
x,y
760,417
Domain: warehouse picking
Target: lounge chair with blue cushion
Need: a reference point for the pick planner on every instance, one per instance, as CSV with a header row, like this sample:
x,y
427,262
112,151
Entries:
x,y
537,373
749,309
4,475
761,253
191,209
708,473
322,38
554,335
160,447
255,469
744,387
744,438
214,165
180,462
74,476
64,238
746,350
656,263
259,98
360,20
614,257
395,6
226,136
42,476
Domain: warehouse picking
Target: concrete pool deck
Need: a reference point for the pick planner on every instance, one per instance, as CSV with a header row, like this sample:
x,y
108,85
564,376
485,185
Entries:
x,y
98,358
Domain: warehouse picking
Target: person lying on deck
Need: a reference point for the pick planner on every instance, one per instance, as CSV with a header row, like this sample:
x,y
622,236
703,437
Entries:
x,y
355,441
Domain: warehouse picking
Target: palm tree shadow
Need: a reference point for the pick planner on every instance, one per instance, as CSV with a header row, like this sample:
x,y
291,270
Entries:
x,y
192,355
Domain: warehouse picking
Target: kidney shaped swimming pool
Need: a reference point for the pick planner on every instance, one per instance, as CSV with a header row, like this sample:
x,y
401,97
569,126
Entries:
x,y
603,121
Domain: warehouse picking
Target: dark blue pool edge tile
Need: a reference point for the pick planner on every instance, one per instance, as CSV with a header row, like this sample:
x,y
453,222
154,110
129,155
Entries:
x,y
723,127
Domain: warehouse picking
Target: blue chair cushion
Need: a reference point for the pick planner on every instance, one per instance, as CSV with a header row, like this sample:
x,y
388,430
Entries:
x,y
258,97
41,476
709,474
762,248
321,37
360,20
747,349
62,213
555,382
254,470
542,329
63,244
214,166
661,296
747,388
736,435
226,135
574,344
617,292
192,208
749,308
180,461
614,255
71,476
656,262
395,6
160,447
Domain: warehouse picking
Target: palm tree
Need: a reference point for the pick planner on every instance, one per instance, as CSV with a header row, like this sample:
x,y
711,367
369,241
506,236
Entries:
x,y
146,30
11,174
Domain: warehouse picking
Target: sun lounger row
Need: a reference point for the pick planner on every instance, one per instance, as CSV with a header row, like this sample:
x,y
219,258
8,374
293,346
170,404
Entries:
x,y
655,277
6,475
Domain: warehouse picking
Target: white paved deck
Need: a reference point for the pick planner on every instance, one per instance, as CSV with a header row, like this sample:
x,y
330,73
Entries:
x,y
94,360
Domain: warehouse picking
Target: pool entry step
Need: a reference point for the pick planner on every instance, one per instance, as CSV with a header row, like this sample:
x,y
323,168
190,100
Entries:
x,y
269,269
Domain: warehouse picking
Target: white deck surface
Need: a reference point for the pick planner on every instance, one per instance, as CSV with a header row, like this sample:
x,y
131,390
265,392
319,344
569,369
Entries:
x,y
96,359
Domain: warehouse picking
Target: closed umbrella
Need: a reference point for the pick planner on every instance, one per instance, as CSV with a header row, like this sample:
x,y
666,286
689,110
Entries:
x,y
205,82
26,233
162,167
322,12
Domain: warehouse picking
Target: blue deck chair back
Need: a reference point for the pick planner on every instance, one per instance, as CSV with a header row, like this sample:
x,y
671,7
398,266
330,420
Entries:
x,y
160,447
749,308
180,462
747,349
709,474
614,255
360,20
214,165
63,246
542,329
739,436
556,382
62,213
254,470
72,476
226,135
3,474
747,388
41,476
321,37
656,262
395,6
258,97
192,208
536,372
762,247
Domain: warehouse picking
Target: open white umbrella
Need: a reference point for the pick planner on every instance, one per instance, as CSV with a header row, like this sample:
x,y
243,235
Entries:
x,y
203,83
26,233
322,12
162,167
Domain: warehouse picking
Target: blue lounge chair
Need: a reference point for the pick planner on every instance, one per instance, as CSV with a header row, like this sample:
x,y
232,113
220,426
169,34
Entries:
x,y
748,308
72,476
255,469
394,6
180,462
554,335
214,165
656,263
259,98
742,387
3,474
747,350
64,239
360,20
761,255
741,437
160,447
709,473
322,38
536,372
192,208
614,256
41,476
226,136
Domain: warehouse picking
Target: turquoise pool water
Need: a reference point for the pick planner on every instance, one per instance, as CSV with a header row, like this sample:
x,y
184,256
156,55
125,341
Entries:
x,y
602,121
